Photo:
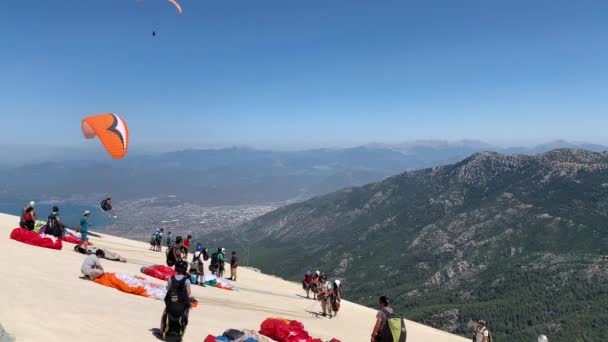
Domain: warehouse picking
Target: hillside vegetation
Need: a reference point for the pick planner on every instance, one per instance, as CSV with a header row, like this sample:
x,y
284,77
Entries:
x,y
518,240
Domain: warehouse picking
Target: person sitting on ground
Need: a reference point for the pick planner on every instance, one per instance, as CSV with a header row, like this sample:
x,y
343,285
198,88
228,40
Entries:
x,y
336,296
91,267
54,226
186,246
324,295
32,205
198,267
382,317
481,334
27,219
177,304
83,228
307,283
234,264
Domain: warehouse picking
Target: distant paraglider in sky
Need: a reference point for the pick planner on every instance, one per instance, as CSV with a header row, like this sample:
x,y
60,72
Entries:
x,y
153,33
111,130
174,2
179,8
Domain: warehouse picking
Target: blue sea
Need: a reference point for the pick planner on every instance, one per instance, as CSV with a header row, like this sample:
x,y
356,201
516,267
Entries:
x,y
70,213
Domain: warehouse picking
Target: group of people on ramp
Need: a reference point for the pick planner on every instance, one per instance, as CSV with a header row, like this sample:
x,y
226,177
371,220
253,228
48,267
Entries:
x,y
328,293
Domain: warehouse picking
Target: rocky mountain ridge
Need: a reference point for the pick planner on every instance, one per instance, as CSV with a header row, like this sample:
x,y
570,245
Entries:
x,y
461,238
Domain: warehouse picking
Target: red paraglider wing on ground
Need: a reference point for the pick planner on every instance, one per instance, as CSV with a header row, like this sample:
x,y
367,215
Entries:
x,y
34,239
158,271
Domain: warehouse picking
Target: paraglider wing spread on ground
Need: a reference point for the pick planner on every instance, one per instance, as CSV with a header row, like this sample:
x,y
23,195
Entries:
x,y
133,285
34,239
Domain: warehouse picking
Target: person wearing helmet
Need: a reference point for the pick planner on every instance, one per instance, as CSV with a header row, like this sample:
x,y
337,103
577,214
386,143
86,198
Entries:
x,y
83,228
324,295
159,240
198,267
336,296
32,206
177,304
54,226
106,205
481,334
307,283
27,219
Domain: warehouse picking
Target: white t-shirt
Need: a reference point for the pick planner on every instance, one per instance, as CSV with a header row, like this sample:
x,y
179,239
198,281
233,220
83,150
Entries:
x,y
481,333
90,262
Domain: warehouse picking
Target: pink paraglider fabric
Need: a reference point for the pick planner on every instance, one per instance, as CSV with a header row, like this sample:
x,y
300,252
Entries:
x,y
34,239
159,272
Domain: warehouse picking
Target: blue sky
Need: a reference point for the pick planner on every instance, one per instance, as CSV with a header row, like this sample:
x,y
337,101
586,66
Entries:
x,y
303,73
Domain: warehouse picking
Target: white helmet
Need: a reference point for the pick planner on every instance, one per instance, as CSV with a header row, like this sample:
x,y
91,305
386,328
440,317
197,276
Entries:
x,y
86,212
318,273
32,204
542,338
337,281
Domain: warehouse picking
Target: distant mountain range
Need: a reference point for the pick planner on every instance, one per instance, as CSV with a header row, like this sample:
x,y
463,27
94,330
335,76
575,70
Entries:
x,y
229,176
518,240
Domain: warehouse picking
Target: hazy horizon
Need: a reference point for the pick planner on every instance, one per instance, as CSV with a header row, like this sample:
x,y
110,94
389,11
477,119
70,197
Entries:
x,y
281,74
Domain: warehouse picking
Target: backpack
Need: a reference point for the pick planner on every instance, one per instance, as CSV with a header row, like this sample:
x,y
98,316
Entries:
x,y
393,330
105,206
177,303
170,257
214,259
205,254
52,226
490,339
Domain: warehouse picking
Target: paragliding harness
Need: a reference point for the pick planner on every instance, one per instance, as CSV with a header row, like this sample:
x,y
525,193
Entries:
x,y
177,304
52,226
105,206
171,256
393,329
215,262
337,292
490,339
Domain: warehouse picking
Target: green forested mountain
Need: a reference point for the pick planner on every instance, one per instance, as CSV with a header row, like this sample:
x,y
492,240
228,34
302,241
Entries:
x,y
519,240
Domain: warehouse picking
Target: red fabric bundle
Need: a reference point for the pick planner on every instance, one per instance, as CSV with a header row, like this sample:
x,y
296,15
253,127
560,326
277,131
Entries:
x,y
34,239
159,271
283,330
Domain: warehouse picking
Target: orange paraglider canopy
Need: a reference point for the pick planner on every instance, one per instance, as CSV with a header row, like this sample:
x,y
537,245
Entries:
x,y
112,131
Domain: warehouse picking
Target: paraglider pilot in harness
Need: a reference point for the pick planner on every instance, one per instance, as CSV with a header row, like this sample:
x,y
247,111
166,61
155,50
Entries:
x,y
177,304
106,205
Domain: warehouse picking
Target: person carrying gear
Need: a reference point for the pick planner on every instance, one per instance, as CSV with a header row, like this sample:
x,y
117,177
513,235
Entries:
x,y
54,226
336,296
198,268
324,295
177,304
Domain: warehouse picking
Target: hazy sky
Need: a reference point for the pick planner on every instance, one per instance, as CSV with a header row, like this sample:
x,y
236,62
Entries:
x,y
305,72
